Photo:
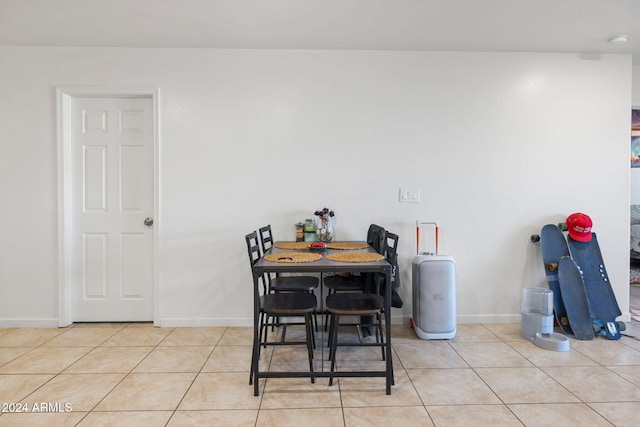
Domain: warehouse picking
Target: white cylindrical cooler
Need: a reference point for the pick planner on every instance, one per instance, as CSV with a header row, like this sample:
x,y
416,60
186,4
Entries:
x,y
434,296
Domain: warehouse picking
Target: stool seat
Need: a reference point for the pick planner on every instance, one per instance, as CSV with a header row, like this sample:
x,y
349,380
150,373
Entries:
x,y
288,303
355,304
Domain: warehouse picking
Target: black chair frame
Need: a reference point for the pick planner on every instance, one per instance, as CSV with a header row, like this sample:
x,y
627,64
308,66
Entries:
x,y
276,305
361,304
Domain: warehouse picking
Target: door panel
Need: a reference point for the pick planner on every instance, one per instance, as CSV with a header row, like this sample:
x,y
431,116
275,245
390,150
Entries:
x,y
132,274
94,179
94,257
132,194
112,194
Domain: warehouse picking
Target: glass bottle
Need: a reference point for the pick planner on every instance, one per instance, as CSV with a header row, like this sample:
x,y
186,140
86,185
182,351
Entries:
x,y
310,234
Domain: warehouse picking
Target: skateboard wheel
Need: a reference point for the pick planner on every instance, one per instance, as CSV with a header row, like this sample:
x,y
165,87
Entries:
x,y
563,226
621,326
535,238
597,329
552,266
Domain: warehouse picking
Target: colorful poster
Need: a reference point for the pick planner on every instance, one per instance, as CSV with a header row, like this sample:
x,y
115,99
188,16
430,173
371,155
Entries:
x,y
635,138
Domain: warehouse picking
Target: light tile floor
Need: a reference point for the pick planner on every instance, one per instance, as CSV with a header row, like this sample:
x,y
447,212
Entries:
x,y
139,375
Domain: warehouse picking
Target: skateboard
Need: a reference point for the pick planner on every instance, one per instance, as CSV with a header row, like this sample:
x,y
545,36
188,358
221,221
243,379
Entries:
x,y
575,299
554,247
602,300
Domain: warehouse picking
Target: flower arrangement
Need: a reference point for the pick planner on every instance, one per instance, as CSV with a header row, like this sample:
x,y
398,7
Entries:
x,y
325,226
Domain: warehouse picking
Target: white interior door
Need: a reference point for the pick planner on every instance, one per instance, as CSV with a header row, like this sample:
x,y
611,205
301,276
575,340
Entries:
x,y
112,209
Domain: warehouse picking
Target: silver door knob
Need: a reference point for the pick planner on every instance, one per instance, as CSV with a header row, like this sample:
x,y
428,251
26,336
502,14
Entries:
x,y
148,222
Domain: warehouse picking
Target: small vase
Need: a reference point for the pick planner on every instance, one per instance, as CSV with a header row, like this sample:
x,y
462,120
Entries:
x,y
325,230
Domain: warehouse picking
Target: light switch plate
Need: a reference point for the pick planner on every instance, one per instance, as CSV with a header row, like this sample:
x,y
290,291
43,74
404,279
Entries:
x,y
409,195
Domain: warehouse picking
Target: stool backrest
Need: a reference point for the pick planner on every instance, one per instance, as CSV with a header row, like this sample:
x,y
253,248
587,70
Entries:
x,y
375,238
266,238
253,250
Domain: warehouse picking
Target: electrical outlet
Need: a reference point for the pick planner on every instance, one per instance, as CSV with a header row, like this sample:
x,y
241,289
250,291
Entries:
x,y
409,195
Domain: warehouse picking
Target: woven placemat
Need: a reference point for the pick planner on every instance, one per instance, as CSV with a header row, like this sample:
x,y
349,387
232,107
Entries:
x,y
292,246
293,257
355,257
347,245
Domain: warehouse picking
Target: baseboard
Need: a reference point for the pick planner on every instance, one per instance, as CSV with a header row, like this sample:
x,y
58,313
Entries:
x,y
28,323
185,322
490,318
177,322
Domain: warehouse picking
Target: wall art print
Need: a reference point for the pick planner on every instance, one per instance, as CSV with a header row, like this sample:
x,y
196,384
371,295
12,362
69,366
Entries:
x,y
635,138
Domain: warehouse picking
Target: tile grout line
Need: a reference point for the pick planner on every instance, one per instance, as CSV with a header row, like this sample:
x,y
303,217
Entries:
x,y
196,375
126,375
119,382
591,353
56,374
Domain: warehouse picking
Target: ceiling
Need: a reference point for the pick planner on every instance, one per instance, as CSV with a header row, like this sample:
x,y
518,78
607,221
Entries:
x,y
581,26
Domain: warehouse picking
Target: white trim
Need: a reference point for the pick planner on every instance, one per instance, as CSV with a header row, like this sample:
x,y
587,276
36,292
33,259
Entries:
x,y
64,95
64,294
29,323
489,318
186,322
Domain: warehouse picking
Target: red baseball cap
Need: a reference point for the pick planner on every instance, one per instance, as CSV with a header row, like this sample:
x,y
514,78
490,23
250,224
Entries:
x,y
579,226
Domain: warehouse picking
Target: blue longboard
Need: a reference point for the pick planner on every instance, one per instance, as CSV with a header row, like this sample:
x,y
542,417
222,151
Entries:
x,y
575,299
554,247
602,301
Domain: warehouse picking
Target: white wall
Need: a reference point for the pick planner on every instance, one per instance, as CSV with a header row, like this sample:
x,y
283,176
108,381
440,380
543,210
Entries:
x,y
499,144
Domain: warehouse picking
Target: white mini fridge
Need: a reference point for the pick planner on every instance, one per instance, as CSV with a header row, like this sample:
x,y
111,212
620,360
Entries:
x,y
434,296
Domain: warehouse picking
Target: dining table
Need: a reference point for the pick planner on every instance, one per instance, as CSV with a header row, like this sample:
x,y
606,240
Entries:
x,y
321,266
